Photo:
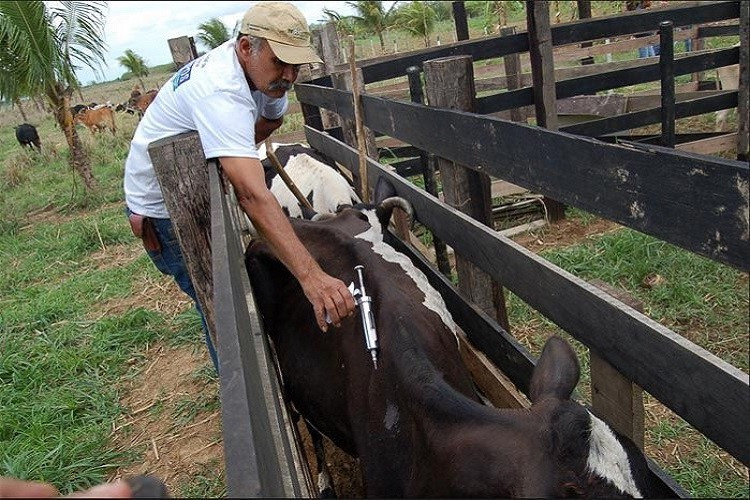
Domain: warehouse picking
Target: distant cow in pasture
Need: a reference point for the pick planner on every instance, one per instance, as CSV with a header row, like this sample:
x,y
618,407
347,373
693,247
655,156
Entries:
x,y
97,120
729,79
27,135
416,423
140,103
74,110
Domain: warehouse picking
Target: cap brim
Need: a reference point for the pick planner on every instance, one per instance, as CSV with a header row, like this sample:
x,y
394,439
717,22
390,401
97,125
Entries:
x,y
291,54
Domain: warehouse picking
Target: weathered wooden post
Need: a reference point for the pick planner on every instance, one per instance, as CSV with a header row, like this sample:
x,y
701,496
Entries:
x,y
666,68
459,17
614,398
512,63
543,75
743,96
183,51
329,50
584,12
449,83
428,170
180,166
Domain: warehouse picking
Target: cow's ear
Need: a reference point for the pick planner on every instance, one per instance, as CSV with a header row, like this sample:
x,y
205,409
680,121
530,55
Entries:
x,y
556,373
383,189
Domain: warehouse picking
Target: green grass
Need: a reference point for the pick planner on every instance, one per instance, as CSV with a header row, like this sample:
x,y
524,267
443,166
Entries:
x,y
61,361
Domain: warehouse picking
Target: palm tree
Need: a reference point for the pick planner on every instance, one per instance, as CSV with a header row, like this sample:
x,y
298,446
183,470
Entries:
x,y
418,18
38,46
345,25
212,33
135,64
373,17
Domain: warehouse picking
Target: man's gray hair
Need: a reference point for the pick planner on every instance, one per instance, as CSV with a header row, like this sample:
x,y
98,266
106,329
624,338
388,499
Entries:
x,y
255,42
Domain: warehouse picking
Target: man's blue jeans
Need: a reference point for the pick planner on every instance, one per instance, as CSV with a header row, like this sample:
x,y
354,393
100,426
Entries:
x,y
169,261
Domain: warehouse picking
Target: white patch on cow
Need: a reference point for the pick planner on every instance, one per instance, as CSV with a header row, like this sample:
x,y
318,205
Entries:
x,y
432,299
608,458
276,145
324,481
743,214
328,187
391,416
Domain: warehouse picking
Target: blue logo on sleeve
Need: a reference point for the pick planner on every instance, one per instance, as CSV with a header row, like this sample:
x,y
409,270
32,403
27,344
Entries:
x,y
182,75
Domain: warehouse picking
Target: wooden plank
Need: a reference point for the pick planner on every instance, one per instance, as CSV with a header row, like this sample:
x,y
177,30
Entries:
x,y
512,67
666,70
614,398
722,30
495,386
180,167
743,105
449,84
459,19
709,393
617,182
710,145
610,79
593,128
543,76
257,453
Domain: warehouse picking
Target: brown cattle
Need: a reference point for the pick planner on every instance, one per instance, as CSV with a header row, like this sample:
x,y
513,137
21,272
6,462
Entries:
x,y
140,103
97,119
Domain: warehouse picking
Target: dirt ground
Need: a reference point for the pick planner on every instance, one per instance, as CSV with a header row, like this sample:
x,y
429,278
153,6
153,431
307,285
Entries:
x,y
175,451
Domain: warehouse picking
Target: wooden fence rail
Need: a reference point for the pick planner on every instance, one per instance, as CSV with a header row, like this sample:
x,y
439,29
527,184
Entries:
x,y
703,213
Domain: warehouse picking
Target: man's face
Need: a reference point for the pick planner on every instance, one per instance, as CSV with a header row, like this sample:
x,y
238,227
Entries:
x,y
267,73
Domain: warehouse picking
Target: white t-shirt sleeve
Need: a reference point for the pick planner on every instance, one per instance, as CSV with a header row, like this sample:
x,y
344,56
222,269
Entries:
x,y
275,108
226,125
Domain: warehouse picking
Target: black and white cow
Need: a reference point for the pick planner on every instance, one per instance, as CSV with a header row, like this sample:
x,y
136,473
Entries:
x,y
27,135
314,174
416,423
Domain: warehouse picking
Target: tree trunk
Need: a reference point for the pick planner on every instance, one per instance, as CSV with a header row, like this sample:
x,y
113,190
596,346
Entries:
x,y
17,102
382,42
143,85
77,158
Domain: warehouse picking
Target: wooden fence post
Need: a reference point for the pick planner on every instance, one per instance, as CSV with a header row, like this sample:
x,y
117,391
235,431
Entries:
x,y
614,398
428,171
512,64
543,75
743,97
666,67
332,55
183,51
459,18
449,83
584,12
182,171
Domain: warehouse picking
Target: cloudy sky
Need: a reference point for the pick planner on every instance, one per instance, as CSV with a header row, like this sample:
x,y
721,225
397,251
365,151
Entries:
x,y
145,27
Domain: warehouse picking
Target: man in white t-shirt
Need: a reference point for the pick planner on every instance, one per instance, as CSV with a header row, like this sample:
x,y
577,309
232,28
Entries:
x,y
234,97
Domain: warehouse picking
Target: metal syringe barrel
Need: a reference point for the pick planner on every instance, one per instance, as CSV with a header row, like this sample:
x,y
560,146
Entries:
x,y
368,320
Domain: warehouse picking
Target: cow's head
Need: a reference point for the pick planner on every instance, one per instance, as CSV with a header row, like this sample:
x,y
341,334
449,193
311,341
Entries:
x,y
579,455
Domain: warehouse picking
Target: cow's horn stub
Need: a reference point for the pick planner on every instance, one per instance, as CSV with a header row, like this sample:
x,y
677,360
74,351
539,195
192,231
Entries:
x,y
385,209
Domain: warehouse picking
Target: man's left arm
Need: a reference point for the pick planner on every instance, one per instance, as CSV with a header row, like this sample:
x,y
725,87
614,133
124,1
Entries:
x,y
265,127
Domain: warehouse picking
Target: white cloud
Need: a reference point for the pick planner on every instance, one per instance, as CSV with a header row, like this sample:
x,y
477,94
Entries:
x,y
145,27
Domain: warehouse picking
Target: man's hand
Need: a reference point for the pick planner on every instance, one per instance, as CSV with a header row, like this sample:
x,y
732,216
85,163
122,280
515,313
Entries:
x,y
327,295
15,488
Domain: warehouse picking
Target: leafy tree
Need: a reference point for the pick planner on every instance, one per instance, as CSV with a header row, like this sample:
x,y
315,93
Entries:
x,y
443,10
345,25
372,17
39,45
135,64
212,33
418,18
